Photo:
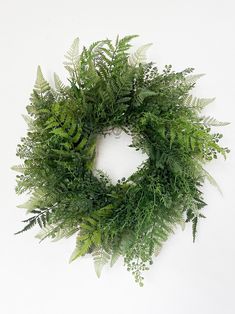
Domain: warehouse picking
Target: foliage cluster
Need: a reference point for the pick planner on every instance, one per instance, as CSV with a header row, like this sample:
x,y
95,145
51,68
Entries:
x,y
111,88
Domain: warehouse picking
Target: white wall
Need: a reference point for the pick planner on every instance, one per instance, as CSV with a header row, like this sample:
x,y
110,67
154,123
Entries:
x,y
186,278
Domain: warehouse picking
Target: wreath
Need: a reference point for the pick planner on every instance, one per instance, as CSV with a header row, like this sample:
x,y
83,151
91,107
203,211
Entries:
x,y
111,88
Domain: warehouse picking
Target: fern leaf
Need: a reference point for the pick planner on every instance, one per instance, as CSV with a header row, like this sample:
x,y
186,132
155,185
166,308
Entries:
x,y
56,232
115,256
31,204
60,132
81,144
212,181
201,103
210,121
73,58
104,211
34,202
29,122
139,56
96,237
142,94
194,226
82,247
197,103
45,232
41,85
172,136
191,79
19,168
30,225
124,43
100,257
41,218
60,87
77,135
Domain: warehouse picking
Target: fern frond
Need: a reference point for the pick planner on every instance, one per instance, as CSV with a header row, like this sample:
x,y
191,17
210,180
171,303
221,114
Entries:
x,y
73,58
115,256
100,257
19,168
212,181
197,103
34,202
142,94
29,122
82,247
191,79
41,218
60,87
139,56
124,43
210,121
41,85
56,232
31,223
194,226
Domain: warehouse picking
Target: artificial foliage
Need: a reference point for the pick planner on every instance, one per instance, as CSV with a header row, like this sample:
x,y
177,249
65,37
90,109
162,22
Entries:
x,y
109,87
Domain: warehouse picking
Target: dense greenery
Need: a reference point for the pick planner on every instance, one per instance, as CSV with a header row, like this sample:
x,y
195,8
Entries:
x,y
111,88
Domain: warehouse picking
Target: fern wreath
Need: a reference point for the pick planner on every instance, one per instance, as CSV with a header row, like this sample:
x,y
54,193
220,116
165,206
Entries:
x,y
111,88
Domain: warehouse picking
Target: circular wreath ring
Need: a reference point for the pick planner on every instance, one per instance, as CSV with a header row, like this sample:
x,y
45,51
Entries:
x,y
111,88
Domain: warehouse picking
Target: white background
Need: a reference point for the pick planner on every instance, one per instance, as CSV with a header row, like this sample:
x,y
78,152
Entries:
x,y
185,278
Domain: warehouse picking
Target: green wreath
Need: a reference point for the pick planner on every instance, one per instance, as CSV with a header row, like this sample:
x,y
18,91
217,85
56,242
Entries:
x,y
111,88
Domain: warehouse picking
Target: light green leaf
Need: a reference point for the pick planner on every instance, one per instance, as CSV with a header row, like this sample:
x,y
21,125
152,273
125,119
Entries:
x,y
81,144
96,237
210,121
60,132
139,56
212,181
18,168
82,247
41,85
191,79
114,258
100,258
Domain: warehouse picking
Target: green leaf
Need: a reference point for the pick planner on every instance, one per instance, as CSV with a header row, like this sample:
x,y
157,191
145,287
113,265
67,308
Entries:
x,y
194,222
78,135
210,121
100,258
162,131
172,136
60,87
104,211
52,125
139,56
31,223
19,168
81,144
96,237
192,142
82,247
90,220
114,257
72,62
212,180
143,94
41,85
60,132
191,79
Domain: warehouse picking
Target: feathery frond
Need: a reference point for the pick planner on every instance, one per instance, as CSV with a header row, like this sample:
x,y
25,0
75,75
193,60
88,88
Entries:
x,y
139,56
210,121
41,85
72,56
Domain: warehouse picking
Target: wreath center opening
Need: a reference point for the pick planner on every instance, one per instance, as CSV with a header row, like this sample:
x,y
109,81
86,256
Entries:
x,y
115,157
